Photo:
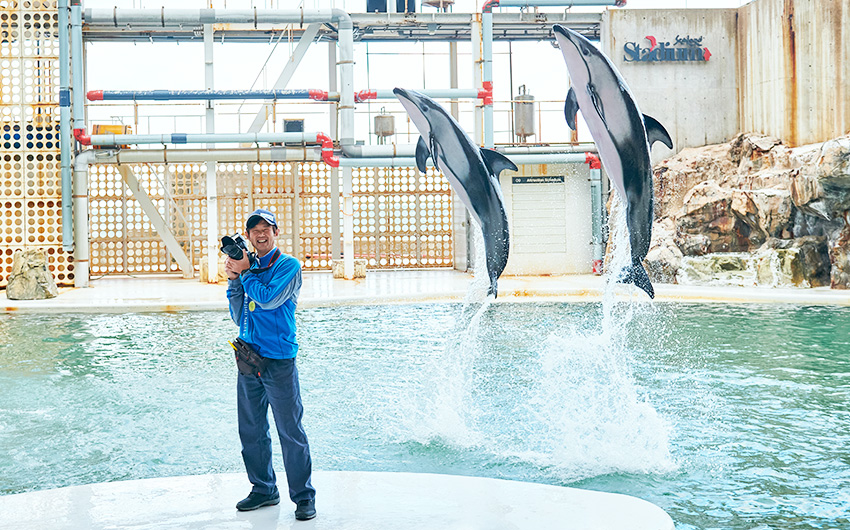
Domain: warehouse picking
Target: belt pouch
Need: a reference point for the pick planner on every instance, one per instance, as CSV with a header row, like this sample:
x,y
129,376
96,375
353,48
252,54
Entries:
x,y
248,361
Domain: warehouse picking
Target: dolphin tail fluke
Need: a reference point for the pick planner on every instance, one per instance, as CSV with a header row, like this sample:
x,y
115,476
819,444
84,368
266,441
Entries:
x,y
494,290
636,274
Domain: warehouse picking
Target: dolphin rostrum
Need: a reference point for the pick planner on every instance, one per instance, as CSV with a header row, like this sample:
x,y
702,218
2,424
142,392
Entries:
x,y
472,171
623,137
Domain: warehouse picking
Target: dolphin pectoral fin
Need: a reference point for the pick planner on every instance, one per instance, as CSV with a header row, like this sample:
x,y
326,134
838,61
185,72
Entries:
x,y
655,132
422,154
571,108
636,274
497,162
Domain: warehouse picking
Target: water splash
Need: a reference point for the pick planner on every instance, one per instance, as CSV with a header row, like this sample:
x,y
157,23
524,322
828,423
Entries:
x,y
575,409
446,409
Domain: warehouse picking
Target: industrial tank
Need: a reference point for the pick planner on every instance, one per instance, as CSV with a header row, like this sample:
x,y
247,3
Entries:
x,y
524,123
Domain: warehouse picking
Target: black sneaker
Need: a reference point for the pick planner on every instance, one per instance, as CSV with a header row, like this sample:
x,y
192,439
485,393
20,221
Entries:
x,y
305,510
258,500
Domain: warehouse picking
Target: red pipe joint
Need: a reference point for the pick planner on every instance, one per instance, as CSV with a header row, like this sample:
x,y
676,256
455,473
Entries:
x,y
317,95
94,95
592,160
80,136
486,93
490,4
327,150
363,95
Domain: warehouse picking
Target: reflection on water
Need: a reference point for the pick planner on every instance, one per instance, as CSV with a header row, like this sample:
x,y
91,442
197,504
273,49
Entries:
x,y
731,417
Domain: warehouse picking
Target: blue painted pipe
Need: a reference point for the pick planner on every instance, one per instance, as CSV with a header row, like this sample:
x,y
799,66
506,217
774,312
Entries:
x,y
195,95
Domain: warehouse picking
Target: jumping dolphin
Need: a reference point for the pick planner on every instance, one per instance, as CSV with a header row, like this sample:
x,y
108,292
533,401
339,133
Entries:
x,y
623,137
472,171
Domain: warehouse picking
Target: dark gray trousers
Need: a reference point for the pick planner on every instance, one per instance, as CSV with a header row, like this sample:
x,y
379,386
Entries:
x,y
278,387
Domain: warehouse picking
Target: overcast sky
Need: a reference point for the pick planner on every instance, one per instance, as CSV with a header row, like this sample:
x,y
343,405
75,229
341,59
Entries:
x,y
144,66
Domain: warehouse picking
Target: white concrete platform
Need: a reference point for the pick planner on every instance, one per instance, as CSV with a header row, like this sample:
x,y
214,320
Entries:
x,y
345,500
173,293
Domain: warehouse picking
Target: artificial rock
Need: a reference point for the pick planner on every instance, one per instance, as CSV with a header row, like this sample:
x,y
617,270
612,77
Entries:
x,y
787,208
30,278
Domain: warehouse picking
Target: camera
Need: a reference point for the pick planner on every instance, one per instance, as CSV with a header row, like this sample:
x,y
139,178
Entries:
x,y
236,247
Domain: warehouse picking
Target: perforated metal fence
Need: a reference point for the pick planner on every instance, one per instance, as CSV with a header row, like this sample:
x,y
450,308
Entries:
x,y
401,219
30,187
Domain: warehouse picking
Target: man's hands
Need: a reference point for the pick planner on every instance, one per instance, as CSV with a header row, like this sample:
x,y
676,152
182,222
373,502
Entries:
x,y
234,268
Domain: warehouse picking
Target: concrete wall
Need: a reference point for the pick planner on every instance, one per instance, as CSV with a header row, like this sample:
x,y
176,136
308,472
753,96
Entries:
x,y
550,221
696,101
778,67
795,76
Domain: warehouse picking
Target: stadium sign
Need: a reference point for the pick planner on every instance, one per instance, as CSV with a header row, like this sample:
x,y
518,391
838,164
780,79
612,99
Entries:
x,y
684,49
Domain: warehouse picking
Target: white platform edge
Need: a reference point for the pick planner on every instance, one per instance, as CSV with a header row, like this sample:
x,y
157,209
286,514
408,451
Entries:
x,y
345,500
170,293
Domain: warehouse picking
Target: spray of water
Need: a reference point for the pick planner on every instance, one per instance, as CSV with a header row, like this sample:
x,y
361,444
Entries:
x,y
446,408
578,413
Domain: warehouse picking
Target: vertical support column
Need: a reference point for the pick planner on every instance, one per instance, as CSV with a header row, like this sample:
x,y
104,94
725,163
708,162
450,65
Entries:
x,y
212,185
80,185
336,246
65,128
348,223
476,77
296,209
346,138
166,193
487,74
596,212
469,251
453,77
379,221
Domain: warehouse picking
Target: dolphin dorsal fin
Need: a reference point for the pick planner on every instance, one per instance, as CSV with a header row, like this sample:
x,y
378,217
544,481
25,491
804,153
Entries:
x,y
571,108
655,132
496,161
422,154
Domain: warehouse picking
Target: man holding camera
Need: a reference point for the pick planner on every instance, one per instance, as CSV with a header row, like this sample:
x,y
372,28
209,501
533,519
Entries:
x,y
263,293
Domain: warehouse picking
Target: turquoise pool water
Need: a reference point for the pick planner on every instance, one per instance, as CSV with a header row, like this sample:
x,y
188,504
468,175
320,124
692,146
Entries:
x,y
726,416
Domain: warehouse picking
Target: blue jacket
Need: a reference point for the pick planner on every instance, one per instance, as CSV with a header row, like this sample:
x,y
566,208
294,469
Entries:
x,y
263,305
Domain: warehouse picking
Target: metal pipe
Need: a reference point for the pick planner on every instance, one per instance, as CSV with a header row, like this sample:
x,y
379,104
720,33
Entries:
x,y
212,182
551,158
436,93
409,150
181,138
346,138
160,18
78,91
336,251
203,95
487,74
182,156
379,151
553,3
596,219
293,94
81,218
519,159
528,150
65,137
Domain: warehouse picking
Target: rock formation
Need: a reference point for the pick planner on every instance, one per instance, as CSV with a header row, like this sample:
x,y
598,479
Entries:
x,y
754,212
30,279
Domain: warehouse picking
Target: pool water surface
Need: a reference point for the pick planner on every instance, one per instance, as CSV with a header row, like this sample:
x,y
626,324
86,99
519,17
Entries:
x,y
726,416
